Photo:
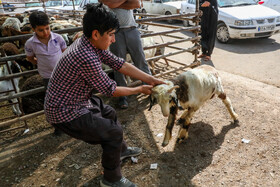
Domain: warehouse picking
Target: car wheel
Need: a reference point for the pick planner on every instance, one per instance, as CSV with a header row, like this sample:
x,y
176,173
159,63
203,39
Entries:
x,y
144,11
186,23
170,21
10,10
222,33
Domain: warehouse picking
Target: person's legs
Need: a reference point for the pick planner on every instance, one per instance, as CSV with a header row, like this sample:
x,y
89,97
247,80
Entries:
x,y
93,128
119,49
135,49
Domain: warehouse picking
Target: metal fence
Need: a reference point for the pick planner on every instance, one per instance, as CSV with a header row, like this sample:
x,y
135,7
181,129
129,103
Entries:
x,y
146,19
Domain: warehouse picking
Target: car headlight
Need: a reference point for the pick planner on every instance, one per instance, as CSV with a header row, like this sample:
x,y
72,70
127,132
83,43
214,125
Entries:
x,y
243,22
278,19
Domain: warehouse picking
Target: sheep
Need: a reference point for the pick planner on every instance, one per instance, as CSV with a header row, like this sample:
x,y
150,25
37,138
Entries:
x,y
58,26
12,23
7,86
35,102
190,90
11,49
11,27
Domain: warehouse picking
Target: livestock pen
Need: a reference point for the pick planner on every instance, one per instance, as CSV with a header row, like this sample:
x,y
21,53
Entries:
x,y
167,38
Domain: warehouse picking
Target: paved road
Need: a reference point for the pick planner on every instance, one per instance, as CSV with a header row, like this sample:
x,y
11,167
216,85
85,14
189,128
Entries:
x,y
257,59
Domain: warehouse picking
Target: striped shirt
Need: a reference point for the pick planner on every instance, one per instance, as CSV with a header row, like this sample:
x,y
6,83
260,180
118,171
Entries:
x,y
74,78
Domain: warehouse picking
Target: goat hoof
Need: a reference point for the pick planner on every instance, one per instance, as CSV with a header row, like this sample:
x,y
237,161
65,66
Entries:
x,y
180,140
236,122
164,144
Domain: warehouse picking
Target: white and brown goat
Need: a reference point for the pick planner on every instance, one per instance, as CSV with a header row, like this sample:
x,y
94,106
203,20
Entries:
x,y
190,90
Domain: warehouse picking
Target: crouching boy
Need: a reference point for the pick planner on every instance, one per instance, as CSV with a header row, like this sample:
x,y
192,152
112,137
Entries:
x,y
70,105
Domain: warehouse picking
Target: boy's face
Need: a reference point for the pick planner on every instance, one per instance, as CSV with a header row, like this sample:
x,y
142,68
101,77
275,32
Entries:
x,y
103,42
42,31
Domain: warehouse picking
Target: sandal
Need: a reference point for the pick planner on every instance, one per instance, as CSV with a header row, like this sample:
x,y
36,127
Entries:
x,y
207,58
202,56
123,103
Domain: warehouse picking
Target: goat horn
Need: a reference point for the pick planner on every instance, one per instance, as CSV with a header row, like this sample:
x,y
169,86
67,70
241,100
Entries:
x,y
171,89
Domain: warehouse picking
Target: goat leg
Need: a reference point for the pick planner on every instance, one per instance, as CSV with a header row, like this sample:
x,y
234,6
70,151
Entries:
x,y
184,122
170,125
228,105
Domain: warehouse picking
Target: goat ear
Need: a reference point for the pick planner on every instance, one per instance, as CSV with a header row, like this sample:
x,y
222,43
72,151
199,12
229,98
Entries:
x,y
171,89
152,102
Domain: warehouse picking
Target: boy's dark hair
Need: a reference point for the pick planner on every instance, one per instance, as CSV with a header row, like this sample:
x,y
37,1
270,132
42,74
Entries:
x,y
38,18
99,17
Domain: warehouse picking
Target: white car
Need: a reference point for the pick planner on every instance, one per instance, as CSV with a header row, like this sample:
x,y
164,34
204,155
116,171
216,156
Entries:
x,y
163,7
273,4
56,6
241,19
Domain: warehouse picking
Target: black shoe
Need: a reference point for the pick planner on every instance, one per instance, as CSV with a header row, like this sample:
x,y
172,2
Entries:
x,y
131,151
57,132
123,182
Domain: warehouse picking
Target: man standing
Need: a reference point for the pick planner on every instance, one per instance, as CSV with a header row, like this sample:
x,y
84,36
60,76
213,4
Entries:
x,y
70,105
128,40
209,22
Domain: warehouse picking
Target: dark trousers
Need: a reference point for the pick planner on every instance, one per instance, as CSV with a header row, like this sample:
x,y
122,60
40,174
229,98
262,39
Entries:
x,y
128,40
100,126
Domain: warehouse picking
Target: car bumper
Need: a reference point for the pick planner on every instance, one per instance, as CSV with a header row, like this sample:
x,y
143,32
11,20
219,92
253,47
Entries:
x,y
253,31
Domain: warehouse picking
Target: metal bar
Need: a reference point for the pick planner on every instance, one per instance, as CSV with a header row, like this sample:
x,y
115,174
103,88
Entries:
x,y
165,17
26,36
170,31
23,94
9,104
10,117
170,43
10,58
161,25
7,77
177,69
22,118
172,53
176,62
13,129
6,91
171,36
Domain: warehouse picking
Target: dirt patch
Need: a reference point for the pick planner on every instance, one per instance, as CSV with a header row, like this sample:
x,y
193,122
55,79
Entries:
x,y
214,154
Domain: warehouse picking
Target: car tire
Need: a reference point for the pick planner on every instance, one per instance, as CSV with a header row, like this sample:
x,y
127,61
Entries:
x,y
186,23
222,33
144,11
170,21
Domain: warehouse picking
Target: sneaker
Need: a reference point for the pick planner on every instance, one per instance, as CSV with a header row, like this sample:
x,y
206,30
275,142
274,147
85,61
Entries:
x,y
123,182
131,151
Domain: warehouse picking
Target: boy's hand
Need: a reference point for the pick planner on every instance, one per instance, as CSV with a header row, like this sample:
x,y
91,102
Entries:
x,y
146,89
156,81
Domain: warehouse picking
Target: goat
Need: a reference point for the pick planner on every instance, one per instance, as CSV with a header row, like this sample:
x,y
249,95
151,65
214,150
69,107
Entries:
x,y
192,89
7,85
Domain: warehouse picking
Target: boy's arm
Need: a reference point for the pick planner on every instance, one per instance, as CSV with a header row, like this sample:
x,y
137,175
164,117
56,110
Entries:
x,y
125,4
32,59
134,72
